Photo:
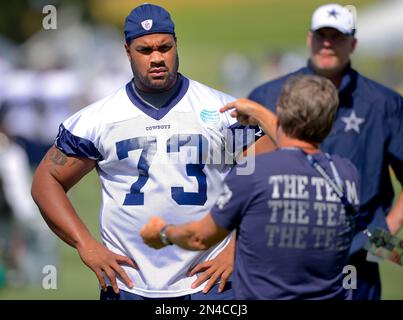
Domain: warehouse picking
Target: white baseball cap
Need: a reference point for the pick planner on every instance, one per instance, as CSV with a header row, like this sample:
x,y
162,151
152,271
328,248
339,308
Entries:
x,y
333,16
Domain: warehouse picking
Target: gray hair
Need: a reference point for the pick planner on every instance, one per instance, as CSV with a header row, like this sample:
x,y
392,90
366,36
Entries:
x,y
307,107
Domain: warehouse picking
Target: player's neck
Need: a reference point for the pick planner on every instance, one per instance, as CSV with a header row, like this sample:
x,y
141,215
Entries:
x,y
157,99
285,141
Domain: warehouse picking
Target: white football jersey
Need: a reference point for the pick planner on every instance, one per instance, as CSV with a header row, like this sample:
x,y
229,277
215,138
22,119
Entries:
x,y
168,162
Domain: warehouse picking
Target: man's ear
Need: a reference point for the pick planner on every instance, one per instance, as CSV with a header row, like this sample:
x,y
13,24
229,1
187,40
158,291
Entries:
x,y
309,40
127,49
353,44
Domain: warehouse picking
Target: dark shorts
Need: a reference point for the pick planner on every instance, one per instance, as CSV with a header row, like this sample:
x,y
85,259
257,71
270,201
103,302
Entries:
x,y
227,294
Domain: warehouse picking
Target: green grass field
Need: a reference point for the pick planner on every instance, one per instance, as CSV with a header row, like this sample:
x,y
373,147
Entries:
x,y
207,31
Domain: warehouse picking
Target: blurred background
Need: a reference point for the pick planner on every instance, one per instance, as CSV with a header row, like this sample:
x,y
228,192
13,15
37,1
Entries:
x,y
46,75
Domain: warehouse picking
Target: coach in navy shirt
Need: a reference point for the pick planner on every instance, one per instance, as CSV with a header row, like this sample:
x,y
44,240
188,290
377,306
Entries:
x,y
293,231
368,130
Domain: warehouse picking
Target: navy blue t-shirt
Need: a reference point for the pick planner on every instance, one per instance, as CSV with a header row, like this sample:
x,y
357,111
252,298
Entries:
x,y
293,235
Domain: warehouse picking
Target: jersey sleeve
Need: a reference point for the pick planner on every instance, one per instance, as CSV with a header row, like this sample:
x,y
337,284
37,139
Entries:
x,y
234,199
79,135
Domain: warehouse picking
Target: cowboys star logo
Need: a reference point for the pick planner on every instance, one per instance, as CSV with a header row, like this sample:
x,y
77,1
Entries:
x,y
352,122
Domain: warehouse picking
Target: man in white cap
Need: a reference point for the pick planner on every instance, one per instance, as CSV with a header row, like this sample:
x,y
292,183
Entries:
x,y
368,130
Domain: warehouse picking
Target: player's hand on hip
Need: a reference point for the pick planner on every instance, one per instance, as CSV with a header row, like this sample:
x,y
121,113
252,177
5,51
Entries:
x,y
246,111
103,261
151,232
218,269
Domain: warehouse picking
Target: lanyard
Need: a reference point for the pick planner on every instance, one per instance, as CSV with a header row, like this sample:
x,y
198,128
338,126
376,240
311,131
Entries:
x,y
335,184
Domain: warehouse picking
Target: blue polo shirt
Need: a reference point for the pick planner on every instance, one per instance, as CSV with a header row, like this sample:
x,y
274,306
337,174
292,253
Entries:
x,y
293,235
368,130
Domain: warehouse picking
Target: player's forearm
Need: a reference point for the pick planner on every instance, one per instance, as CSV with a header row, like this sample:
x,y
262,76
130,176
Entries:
x,y
199,235
187,237
395,216
57,210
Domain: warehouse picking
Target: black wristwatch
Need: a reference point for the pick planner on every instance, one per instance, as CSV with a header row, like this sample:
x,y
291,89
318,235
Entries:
x,y
163,236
